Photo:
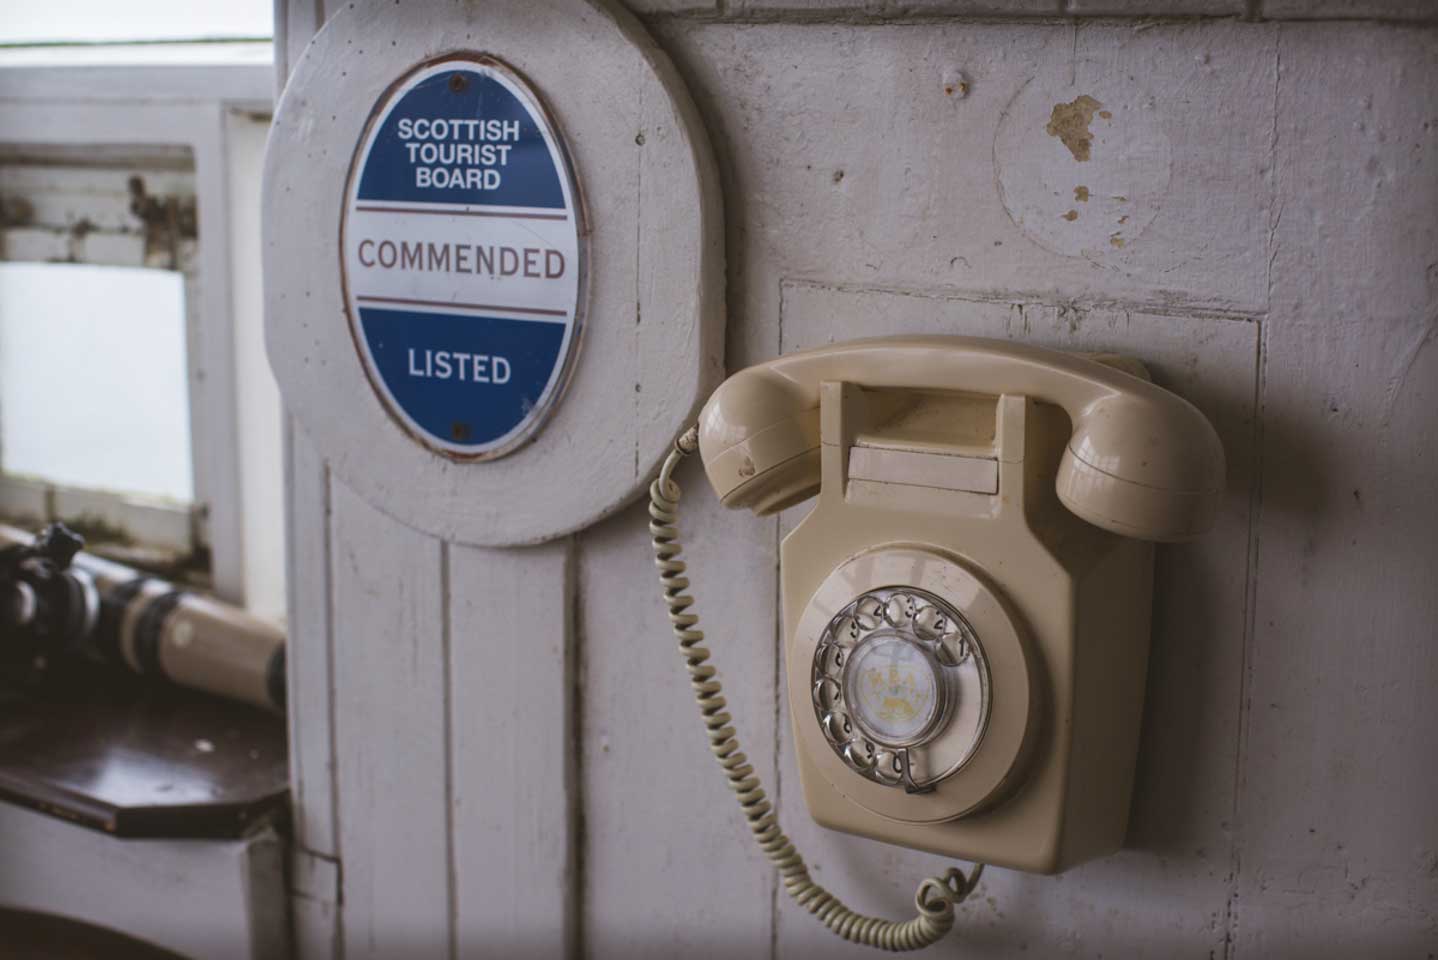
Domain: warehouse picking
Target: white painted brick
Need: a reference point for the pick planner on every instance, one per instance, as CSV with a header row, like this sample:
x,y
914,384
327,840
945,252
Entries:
x,y
1339,844
847,162
805,9
1416,10
1425,10
1157,8
646,7
974,8
899,8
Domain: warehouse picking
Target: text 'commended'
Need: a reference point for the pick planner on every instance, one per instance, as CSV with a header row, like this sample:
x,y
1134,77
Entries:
x,y
462,258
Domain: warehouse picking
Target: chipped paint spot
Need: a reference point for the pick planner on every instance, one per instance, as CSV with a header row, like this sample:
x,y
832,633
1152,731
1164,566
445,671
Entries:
x,y
1036,145
1106,115
1069,122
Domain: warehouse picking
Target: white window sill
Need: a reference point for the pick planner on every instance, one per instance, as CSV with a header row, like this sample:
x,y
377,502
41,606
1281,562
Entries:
x,y
235,72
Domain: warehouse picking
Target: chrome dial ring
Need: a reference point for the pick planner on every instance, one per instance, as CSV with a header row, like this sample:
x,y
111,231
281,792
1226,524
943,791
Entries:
x,y
887,676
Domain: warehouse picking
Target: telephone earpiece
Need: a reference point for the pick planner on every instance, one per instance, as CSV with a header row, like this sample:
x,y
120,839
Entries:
x,y
1148,466
759,439
1142,462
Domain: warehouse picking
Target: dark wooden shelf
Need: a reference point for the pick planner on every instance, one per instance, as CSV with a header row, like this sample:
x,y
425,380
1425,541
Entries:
x,y
140,759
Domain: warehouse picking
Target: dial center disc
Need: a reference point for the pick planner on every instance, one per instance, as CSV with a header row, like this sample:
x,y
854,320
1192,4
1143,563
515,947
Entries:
x,y
894,690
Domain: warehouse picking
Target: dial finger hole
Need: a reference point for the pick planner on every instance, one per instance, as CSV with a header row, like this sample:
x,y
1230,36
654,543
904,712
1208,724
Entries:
x,y
845,631
954,649
930,623
837,727
828,694
899,609
859,754
887,767
868,612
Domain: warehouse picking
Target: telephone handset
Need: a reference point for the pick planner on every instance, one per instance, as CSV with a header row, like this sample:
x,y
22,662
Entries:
x,y
966,608
1142,462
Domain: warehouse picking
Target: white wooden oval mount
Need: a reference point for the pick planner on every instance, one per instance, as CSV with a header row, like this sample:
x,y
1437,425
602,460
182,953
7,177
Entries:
x,y
651,344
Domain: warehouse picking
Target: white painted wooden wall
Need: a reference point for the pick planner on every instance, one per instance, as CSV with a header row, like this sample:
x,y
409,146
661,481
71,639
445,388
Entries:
x,y
494,752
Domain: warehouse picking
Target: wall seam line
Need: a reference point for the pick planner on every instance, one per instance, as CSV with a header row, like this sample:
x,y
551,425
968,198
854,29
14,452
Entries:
x,y
638,265
777,684
327,494
857,16
1255,516
1073,56
1240,313
450,868
294,713
576,878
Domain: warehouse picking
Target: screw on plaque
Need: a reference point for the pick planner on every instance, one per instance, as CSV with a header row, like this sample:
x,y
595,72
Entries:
x,y
459,432
458,82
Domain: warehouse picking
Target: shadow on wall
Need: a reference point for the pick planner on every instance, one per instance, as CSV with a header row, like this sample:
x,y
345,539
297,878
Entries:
x,y
1189,745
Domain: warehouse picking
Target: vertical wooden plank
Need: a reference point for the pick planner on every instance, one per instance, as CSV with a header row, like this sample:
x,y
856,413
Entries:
x,y
309,652
1338,850
670,868
387,583
513,795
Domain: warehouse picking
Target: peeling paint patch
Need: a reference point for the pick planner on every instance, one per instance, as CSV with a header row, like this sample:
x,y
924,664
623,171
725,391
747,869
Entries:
x,y
1049,127
1069,122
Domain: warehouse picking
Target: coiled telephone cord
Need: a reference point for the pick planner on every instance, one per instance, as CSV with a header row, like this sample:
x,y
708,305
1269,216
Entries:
x,y
935,897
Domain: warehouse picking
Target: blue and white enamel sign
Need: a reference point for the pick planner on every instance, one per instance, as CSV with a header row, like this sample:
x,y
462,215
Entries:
x,y
463,257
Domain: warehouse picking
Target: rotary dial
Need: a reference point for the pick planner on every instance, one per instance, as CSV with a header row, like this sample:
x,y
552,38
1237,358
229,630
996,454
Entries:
x,y
887,676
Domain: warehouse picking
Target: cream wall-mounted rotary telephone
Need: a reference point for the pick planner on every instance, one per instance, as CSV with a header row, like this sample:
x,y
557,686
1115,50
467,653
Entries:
x,y
966,608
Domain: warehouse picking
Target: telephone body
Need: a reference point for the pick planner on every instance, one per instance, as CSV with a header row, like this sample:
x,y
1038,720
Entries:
x,y
966,608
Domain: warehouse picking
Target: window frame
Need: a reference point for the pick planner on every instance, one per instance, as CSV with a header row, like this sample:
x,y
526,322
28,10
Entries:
x,y
186,104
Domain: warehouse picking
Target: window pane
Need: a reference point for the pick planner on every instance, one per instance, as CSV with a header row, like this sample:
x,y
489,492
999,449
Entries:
x,y
42,21
93,386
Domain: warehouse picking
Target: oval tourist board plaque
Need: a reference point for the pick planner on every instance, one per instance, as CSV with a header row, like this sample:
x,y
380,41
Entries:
x,y
463,257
